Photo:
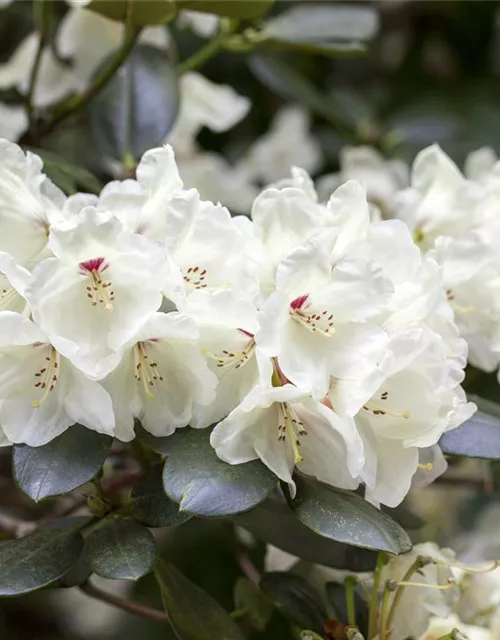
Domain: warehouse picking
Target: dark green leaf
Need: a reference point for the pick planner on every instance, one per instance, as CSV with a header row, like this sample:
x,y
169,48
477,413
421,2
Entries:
x,y
150,505
37,560
194,615
205,485
346,517
140,13
70,460
138,107
275,523
249,597
296,599
324,23
120,549
478,437
68,177
243,9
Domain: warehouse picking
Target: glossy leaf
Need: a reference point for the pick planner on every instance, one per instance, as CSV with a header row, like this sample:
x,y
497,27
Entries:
x,y
67,176
274,522
138,107
324,23
121,550
242,9
140,13
205,485
346,517
150,505
478,437
296,599
70,460
193,614
249,597
37,560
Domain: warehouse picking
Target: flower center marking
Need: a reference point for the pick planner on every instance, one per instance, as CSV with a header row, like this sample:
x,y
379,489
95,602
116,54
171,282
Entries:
x,y
233,359
145,370
378,410
289,425
320,322
97,289
195,276
456,307
47,376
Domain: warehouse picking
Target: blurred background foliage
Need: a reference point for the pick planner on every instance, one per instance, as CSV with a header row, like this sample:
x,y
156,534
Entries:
x,y
430,74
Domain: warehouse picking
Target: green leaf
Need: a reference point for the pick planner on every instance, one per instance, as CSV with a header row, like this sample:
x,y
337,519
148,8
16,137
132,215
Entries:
x,y
121,550
65,463
37,560
205,485
140,13
194,615
242,9
346,517
324,23
248,597
68,177
137,108
296,599
275,523
150,505
478,437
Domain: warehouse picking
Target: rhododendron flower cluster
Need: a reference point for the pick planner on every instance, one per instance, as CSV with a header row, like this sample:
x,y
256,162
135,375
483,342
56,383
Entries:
x,y
314,337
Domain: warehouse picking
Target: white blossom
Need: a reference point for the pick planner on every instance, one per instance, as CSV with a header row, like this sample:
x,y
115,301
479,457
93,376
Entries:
x,y
41,392
160,378
100,287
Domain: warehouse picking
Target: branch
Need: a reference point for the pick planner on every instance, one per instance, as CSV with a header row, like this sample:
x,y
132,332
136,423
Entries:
x,y
70,107
126,605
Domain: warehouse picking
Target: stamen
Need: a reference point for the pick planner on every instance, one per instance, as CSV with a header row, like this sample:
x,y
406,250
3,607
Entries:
x,y
47,376
145,370
289,425
195,276
424,585
320,322
378,410
97,289
230,360
428,466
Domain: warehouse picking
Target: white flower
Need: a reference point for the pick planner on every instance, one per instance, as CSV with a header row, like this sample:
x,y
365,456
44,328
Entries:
x,y
316,322
382,178
212,249
287,143
480,596
439,627
42,393
418,604
227,322
284,219
29,203
13,121
285,428
100,287
216,179
160,377
13,281
203,24
142,204
204,104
